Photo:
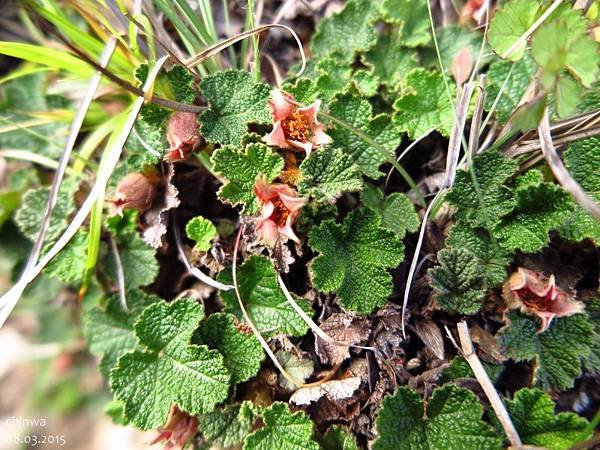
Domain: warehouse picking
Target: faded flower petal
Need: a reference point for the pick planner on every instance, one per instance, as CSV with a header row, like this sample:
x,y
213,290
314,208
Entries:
x,y
280,208
293,127
179,429
535,294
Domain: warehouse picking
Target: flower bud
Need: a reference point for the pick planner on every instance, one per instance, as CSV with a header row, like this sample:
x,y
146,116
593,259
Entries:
x,y
134,191
183,135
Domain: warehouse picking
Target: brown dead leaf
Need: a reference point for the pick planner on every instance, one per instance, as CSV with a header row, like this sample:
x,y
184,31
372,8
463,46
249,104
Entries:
x,y
487,344
342,327
156,217
334,390
431,336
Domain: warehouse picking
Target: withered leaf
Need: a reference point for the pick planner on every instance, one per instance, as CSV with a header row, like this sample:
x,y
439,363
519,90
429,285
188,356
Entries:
x,y
334,390
156,217
342,327
431,336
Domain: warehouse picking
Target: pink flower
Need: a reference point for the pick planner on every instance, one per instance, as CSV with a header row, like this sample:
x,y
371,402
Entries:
x,y
293,127
534,294
183,135
179,429
280,208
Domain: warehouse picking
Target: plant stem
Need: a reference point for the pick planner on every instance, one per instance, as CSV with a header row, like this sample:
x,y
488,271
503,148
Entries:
x,y
469,354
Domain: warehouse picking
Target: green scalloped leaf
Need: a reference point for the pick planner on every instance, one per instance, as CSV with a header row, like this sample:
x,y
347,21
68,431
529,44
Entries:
x,y
481,204
583,162
327,174
109,329
423,104
557,351
169,369
347,31
532,413
282,430
358,113
413,18
396,211
540,208
202,231
241,169
390,60
242,353
354,259
266,305
509,24
450,420
235,101
458,281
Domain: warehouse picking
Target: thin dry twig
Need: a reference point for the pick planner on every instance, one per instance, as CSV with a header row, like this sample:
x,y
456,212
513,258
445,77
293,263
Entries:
x,y
560,171
473,146
457,132
120,273
468,352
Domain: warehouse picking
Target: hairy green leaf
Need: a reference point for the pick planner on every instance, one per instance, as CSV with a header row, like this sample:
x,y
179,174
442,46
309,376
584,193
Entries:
x,y
358,114
227,427
451,420
109,330
532,413
266,305
397,212
458,281
509,24
481,204
169,370
347,31
242,353
389,59
423,104
282,430
413,18
557,351
327,174
202,231
235,101
354,255
242,169
540,208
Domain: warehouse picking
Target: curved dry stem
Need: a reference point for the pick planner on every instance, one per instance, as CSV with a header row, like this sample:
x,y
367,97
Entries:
x,y
194,270
120,274
65,156
560,171
312,325
257,333
220,46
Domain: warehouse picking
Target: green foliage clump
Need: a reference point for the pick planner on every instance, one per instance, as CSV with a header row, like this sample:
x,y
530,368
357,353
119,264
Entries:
x,y
557,352
242,169
532,413
167,369
451,419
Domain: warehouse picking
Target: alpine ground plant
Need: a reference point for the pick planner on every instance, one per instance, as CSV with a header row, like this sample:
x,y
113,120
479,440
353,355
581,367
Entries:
x,y
381,232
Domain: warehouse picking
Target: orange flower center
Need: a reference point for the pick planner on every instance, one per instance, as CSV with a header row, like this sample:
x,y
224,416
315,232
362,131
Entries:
x,y
280,212
296,126
534,301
